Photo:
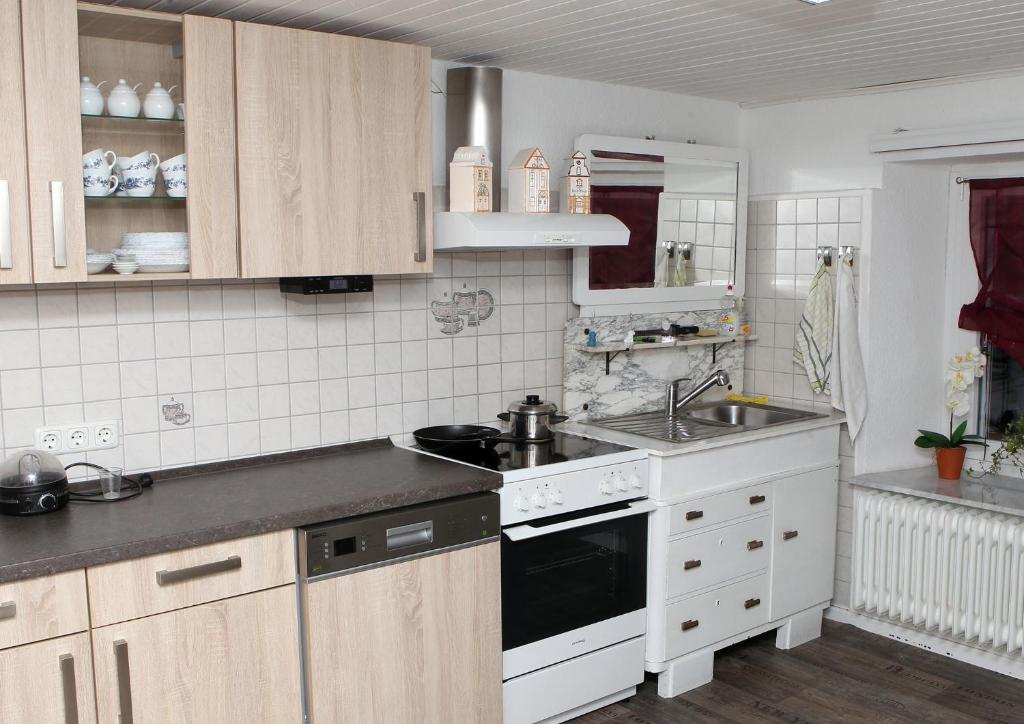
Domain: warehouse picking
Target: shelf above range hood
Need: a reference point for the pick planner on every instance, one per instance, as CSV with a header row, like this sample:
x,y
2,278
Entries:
x,y
457,231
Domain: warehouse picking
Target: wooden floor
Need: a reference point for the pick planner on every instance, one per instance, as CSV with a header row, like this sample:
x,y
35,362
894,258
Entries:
x,y
847,675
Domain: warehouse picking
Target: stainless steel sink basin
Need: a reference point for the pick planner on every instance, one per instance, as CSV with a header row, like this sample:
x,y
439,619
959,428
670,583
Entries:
x,y
703,421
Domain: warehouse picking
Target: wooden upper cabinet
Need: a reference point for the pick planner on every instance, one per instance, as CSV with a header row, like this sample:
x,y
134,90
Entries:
x,y
54,139
334,154
15,247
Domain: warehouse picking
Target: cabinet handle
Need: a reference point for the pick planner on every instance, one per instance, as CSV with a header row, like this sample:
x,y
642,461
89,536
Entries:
x,y
60,241
6,255
755,499
790,534
694,514
421,225
167,578
8,609
753,545
124,682
692,623
751,602
691,564
70,687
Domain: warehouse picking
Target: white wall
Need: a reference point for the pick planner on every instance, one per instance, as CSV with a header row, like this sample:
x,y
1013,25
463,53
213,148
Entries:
x,y
549,112
822,145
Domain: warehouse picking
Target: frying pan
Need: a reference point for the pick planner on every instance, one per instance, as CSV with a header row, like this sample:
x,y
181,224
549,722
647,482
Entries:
x,y
454,438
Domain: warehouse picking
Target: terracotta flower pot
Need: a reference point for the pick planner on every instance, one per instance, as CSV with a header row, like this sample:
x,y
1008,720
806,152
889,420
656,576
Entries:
x,y
950,461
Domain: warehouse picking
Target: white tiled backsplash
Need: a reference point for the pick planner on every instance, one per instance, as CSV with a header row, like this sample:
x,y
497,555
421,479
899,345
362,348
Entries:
x,y
258,372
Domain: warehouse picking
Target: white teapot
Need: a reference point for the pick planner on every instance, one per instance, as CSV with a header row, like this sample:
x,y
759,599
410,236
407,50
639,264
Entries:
x,y
90,98
158,103
123,101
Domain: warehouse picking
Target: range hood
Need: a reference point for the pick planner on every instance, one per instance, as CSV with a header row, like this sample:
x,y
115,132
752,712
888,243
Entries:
x,y
458,231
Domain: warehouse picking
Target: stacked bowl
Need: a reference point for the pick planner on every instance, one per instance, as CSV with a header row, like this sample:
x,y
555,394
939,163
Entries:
x,y
155,252
97,262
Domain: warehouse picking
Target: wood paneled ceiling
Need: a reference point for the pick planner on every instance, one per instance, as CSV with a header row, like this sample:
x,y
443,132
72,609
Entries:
x,y
749,51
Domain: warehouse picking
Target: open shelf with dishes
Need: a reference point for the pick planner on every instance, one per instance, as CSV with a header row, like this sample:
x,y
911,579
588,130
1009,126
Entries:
x,y
138,188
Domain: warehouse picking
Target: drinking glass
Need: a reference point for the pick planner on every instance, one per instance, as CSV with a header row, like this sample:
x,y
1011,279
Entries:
x,y
110,483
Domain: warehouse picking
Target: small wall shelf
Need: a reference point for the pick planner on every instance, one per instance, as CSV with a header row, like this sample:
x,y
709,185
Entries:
x,y
612,349
112,276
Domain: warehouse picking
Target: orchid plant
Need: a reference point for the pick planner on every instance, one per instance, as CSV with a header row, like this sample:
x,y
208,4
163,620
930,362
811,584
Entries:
x,y
962,372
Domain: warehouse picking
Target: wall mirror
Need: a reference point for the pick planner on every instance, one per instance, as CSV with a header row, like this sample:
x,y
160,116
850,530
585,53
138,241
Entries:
x,y
685,206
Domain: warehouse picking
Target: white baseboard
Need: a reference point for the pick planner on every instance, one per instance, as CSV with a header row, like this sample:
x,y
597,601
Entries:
x,y
1008,665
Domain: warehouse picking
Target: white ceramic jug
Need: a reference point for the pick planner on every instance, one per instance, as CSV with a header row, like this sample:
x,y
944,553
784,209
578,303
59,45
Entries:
x,y
158,103
123,101
90,98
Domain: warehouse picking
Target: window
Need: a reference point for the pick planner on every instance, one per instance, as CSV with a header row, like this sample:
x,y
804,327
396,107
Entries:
x,y
1002,391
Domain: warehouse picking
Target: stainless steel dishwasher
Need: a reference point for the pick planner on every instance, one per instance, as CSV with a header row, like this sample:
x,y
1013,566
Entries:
x,y
401,614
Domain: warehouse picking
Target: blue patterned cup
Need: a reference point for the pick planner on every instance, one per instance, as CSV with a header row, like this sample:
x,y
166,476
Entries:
x,y
175,173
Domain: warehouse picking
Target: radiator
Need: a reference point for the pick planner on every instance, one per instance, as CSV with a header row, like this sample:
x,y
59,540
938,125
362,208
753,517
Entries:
x,y
953,571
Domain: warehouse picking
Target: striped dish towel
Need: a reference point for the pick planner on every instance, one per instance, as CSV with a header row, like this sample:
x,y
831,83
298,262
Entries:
x,y
812,348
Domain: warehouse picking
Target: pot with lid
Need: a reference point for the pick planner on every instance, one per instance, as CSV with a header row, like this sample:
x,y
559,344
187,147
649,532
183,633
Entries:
x,y
32,481
532,418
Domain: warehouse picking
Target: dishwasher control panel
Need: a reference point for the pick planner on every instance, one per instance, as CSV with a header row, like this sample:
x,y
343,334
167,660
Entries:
x,y
351,544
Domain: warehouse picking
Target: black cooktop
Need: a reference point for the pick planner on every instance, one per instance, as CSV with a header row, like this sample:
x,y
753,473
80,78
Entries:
x,y
506,456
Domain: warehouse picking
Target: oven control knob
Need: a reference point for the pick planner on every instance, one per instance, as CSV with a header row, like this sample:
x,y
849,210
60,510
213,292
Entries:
x,y
521,503
634,481
540,500
621,484
555,496
605,487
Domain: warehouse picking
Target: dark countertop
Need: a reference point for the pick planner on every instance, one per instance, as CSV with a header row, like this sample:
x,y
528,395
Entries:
x,y
210,503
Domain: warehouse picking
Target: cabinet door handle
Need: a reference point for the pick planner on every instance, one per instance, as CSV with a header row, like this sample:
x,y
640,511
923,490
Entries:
x,y
421,225
691,564
753,545
124,682
167,578
790,534
8,609
60,241
6,255
692,623
70,687
755,499
751,602
694,514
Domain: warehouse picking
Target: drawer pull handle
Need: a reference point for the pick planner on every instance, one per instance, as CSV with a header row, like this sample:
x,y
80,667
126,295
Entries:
x,y
124,682
692,623
167,578
753,545
691,564
751,602
694,514
70,688
60,241
8,609
755,499
420,198
6,257
790,534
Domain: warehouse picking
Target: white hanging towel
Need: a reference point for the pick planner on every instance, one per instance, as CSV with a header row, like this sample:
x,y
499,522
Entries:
x,y
812,347
849,385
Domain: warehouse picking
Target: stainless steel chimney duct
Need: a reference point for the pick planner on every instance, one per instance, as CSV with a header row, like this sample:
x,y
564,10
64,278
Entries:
x,y
473,118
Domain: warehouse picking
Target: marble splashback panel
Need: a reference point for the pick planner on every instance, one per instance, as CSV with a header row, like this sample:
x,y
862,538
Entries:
x,y
636,381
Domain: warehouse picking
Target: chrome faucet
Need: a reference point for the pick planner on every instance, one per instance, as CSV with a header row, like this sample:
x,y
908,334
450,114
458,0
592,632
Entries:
x,y
672,400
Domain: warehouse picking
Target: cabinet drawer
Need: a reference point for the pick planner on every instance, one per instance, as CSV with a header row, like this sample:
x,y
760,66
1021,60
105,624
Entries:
x,y
42,608
144,586
716,615
709,558
715,509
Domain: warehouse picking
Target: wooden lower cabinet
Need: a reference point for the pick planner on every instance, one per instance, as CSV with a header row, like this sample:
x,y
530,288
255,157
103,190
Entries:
x,y
49,681
418,641
230,661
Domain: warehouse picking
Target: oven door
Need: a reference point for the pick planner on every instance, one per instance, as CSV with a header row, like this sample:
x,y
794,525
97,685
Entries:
x,y
572,584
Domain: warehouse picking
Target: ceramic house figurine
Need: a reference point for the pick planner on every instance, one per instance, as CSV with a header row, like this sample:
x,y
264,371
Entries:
x,y
577,185
529,188
470,188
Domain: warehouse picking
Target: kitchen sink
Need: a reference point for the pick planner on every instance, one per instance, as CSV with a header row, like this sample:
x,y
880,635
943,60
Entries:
x,y
703,421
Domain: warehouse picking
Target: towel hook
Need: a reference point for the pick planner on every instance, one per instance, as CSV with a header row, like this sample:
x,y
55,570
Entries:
x,y
846,253
825,255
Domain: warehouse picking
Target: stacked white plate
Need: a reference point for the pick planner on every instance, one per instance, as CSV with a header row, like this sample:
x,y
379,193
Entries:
x,y
164,251
97,262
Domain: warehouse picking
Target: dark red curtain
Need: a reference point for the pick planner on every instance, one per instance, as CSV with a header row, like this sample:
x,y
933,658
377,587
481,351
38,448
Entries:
x,y
618,267
997,239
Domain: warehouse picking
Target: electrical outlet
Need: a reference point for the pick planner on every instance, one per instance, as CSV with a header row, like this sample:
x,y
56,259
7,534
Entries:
x,y
79,437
